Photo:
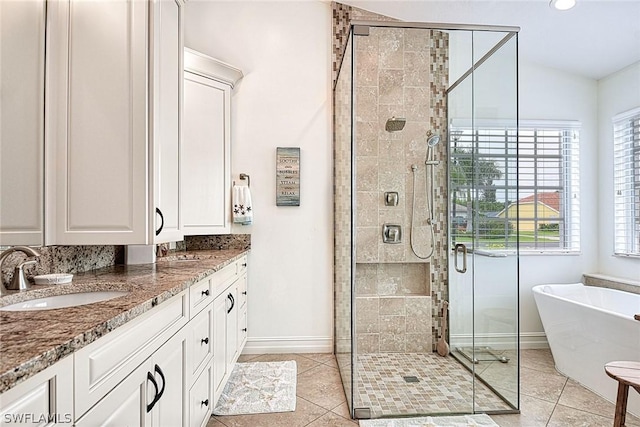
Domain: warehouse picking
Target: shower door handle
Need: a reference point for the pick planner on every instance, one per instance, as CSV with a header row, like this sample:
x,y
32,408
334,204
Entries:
x,y
460,248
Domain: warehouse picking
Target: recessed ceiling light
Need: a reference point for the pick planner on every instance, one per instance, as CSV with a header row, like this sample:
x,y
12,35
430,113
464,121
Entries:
x,y
562,4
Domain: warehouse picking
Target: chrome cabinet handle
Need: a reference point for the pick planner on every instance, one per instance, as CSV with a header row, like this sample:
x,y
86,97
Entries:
x,y
460,248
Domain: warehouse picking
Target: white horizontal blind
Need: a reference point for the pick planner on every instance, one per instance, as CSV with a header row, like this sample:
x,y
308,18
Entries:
x,y
542,162
626,157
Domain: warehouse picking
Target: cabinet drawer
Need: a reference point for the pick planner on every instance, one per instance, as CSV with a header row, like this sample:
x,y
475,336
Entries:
x,y
201,398
101,365
242,265
200,340
242,291
221,279
200,295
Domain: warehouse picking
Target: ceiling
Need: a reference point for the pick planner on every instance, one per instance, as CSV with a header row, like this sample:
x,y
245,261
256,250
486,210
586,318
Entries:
x,y
594,39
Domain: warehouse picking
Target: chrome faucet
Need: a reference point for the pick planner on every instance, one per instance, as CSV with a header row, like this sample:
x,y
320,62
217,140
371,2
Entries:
x,y
19,281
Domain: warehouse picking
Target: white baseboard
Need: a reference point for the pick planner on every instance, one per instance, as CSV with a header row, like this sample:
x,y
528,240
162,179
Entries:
x,y
275,345
533,340
271,345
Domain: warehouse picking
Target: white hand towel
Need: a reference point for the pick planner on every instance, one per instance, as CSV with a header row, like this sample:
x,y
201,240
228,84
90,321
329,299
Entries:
x,y
242,208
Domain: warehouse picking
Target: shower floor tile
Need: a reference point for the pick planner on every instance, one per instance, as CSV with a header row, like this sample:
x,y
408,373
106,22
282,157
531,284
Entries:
x,y
444,386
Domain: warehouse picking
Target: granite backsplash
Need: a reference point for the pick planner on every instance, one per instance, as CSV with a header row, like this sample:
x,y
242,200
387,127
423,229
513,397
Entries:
x,y
78,259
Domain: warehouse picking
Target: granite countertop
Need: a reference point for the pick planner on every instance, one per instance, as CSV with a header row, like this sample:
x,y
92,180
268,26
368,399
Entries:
x,y
31,341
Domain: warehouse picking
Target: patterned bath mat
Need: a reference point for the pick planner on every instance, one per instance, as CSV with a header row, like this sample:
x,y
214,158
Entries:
x,y
458,421
258,388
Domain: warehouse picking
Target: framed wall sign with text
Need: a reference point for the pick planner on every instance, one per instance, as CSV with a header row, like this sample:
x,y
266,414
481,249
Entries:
x,y
288,176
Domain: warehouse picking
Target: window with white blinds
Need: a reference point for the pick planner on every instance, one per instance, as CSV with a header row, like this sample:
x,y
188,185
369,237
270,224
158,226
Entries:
x,y
626,157
516,186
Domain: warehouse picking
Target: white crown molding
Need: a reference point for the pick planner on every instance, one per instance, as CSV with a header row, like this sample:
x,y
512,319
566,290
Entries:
x,y
206,66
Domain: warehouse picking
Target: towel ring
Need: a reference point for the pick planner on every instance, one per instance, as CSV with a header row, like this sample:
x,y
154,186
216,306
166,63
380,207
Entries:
x,y
244,176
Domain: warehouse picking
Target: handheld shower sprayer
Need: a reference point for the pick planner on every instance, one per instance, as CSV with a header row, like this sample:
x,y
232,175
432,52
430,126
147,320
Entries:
x,y
432,140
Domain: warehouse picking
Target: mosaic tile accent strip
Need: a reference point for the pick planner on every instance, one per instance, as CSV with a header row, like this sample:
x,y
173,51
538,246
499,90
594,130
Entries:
x,y
444,386
439,77
341,23
64,259
342,17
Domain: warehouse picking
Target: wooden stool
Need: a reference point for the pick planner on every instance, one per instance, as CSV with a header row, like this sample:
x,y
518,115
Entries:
x,y
627,374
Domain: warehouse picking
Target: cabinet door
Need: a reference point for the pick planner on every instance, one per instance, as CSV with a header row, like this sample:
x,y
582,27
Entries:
x,y
97,123
232,327
169,369
125,405
201,398
167,48
206,156
22,65
44,399
220,306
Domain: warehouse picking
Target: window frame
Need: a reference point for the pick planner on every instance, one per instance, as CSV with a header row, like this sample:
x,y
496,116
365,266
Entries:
x,y
569,177
626,184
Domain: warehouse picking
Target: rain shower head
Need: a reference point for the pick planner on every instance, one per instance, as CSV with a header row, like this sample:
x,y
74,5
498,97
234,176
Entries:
x,y
395,124
432,139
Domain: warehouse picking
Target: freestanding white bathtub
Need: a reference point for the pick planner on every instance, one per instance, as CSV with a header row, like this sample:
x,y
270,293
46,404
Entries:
x,y
587,327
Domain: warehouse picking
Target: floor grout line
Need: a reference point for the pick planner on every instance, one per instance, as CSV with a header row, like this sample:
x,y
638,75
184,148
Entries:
x,y
555,406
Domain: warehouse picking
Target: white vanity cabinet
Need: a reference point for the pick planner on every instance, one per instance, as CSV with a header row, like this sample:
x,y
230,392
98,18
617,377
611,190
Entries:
x,y
113,122
101,365
229,327
206,183
44,399
166,367
152,395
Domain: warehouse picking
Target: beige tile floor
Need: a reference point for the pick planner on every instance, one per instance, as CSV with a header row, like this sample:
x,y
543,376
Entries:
x,y
548,399
320,397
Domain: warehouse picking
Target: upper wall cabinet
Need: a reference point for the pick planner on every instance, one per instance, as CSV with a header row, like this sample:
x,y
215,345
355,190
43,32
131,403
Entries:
x,y
114,93
22,69
206,184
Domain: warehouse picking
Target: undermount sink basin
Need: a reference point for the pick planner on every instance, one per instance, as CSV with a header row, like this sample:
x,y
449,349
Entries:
x,y
63,301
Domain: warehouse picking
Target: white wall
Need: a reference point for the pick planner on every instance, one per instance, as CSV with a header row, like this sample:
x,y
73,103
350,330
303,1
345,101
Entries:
x,y
550,94
285,98
617,93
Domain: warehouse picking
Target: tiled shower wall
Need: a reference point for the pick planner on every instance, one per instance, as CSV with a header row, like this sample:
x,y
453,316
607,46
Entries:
x,y
402,73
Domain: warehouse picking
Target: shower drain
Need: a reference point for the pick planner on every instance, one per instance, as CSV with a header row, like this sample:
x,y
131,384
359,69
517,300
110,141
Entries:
x,y
411,379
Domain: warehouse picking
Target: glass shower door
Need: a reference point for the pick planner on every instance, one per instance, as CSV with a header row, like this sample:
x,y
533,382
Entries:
x,y
483,224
